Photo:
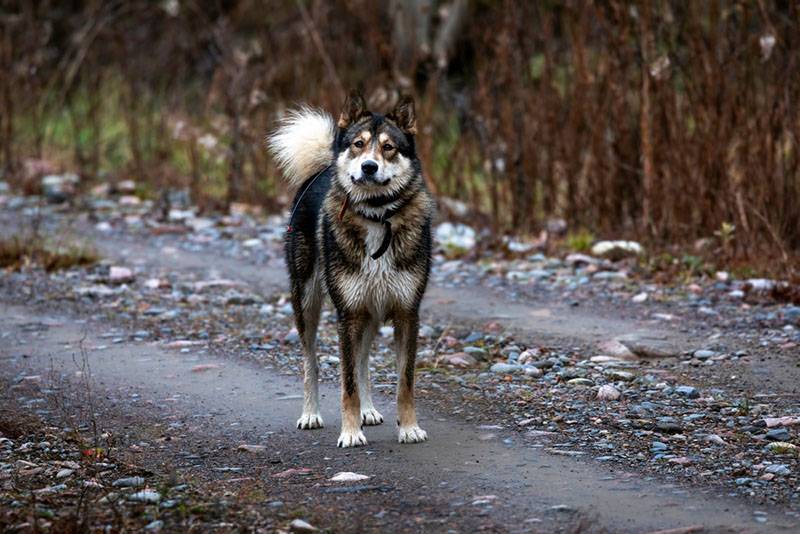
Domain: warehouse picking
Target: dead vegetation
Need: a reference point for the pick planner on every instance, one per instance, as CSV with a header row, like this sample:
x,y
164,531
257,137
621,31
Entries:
x,y
19,253
668,121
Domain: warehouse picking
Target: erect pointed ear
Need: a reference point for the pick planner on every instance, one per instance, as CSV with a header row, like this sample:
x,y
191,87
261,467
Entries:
x,y
404,115
354,108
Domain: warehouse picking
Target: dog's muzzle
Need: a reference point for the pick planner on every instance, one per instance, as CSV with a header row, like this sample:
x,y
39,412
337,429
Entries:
x,y
369,174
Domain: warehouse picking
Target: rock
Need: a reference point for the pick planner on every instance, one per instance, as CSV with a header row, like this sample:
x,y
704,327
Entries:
x,y
129,482
457,237
532,371
386,331
609,275
579,260
252,243
58,188
781,421
639,298
781,447
658,446
580,382
126,187
64,473
506,368
155,526
704,354
687,391
647,346
529,355
478,353
198,224
348,476
298,525
608,393
459,359
778,469
759,285
255,449
614,374
616,349
668,425
791,314
715,439
94,291
426,331
147,496
617,250
778,434
120,275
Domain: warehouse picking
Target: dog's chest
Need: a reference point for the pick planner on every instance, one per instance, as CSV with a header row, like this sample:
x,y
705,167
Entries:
x,y
378,285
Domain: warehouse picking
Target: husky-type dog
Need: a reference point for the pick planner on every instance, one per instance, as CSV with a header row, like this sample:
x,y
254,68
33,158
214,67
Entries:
x,y
360,230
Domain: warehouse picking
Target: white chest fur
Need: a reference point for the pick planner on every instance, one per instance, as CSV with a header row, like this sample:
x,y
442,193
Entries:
x,y
378,286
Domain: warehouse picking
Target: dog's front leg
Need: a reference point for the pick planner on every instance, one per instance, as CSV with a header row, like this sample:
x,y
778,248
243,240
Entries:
x,y
406,328
351,330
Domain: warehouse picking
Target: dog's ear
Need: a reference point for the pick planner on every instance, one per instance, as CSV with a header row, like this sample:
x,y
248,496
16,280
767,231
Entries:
x,y
354,108
404,116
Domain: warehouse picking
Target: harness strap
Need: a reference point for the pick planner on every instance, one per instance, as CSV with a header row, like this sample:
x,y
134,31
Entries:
x,y
384,219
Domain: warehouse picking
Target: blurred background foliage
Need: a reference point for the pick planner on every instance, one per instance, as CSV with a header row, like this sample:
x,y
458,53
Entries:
x,y
669,121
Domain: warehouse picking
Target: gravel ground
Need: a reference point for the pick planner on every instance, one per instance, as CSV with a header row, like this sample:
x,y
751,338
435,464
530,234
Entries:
x,y
721,412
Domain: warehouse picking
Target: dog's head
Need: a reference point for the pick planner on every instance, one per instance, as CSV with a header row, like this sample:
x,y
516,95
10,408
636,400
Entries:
x,y
375,154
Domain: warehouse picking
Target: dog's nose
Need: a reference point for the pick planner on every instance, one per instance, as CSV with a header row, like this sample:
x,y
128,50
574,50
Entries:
x,y
369,167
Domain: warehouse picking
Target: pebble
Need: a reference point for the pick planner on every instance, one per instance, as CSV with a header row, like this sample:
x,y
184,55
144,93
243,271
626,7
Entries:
x,y
778,434
704,354
532,371
129,482
581,382
148,496
155,526
687,391
298,525
778,469
120,275
658,446
608,392
348,476
506,368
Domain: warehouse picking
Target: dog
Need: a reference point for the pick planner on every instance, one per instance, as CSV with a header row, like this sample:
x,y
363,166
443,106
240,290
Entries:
x,y
360,232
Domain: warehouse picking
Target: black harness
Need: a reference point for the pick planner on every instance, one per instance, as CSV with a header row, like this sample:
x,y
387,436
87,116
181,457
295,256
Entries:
x,y
377,202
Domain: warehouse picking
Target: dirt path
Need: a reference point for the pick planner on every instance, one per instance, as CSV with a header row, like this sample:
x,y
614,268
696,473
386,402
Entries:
x,y
457,465
463,306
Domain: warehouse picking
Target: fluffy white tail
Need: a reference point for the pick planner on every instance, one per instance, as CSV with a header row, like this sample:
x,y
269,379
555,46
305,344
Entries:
x,y
301,145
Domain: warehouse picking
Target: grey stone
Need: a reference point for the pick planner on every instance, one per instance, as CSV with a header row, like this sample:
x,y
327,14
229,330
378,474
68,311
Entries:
x,y
687,391
506,368
778,434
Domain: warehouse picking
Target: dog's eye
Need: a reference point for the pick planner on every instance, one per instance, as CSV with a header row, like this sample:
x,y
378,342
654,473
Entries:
x,y
359,144
387,147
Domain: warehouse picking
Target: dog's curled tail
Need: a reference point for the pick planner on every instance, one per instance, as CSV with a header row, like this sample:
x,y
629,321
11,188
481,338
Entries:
x,y
302,143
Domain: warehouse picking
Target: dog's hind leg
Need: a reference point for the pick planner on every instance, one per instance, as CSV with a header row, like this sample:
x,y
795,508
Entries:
x,y
369,415
351,332
406,328
307,302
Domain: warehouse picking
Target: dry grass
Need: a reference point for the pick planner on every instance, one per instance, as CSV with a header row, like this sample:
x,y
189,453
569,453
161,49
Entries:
x,y
18,253
666,121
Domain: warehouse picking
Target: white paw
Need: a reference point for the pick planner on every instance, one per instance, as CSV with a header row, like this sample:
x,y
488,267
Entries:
x,y
351,439
308,421
371,417
411,434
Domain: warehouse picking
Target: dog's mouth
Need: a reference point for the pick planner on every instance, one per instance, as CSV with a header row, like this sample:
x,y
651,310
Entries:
x,y
366,180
